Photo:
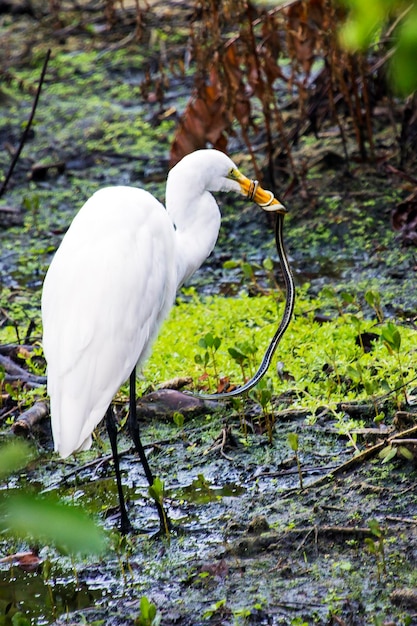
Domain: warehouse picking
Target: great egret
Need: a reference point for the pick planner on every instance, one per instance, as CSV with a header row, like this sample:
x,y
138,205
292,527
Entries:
x,y
112,282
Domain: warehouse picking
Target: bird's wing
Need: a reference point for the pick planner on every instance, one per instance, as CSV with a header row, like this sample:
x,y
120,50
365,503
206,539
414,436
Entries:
x,y
106,293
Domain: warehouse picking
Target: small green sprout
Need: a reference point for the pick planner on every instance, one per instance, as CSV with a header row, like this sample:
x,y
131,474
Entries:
x,y
157,492
373,298
262,394
216,608
210,345
391,337
376,546
149,614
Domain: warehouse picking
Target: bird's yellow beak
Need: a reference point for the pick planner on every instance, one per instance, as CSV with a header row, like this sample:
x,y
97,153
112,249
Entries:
x,y
252,190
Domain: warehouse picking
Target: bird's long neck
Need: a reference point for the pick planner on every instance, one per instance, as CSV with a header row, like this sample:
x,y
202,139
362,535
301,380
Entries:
x,y
196,218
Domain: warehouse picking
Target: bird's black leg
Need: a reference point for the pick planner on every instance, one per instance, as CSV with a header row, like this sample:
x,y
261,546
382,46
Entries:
x,y
125,525
164,522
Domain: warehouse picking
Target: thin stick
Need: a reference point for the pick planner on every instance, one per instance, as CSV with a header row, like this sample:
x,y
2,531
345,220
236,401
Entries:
x,y
28,125
359,458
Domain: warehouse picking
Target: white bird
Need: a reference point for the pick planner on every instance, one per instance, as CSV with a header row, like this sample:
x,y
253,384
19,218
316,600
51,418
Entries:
x,y
111,284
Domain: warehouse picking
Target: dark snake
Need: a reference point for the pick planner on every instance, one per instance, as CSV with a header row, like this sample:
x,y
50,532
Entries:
x,y
283,325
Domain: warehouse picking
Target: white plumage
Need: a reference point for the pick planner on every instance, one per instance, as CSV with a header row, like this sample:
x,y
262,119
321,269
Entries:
x,y
107,290
113,280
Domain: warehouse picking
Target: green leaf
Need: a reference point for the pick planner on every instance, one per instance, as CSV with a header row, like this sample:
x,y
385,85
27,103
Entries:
x,y
247,270
19,619
372,298
347,297
357,323
403,74
391,335
149,615
157,490
292,439
216,343
355,373
214,608
209,340
178,419
406,453
46,519
231,264
375,528
237,355
379,417
388,453
14,456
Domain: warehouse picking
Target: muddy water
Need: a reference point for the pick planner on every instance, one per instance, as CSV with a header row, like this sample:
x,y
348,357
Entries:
x,y
249,547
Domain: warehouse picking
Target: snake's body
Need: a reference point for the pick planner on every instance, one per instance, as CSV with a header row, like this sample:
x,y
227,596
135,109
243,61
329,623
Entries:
x,y
286,318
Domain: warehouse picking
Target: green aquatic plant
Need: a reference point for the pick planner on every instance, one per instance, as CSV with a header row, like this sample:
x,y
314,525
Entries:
x,y
376,546
262,394
157,492
149,614
391,338
210,344
43,518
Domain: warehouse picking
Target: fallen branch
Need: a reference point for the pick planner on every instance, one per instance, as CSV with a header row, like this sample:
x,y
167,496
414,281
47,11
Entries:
x,y
362,456
401,442
29,418
15,350
400,520
15,372
404,597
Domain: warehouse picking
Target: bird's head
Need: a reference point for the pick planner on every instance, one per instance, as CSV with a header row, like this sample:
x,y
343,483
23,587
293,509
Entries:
x,y
212,170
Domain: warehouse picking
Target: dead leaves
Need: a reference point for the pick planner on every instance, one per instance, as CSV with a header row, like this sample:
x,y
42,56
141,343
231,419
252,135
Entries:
x,y
216,103
245,81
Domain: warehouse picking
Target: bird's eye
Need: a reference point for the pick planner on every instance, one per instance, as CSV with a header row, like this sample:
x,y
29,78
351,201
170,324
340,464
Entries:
x,y
233,174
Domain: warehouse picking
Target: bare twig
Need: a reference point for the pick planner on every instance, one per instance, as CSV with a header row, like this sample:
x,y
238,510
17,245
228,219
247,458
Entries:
x,y
221,442
359,458
28,125
401,520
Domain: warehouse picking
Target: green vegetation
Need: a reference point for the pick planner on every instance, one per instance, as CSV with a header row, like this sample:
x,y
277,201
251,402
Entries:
x,y
375,545
325,363
364,27
149,615
43,518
